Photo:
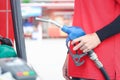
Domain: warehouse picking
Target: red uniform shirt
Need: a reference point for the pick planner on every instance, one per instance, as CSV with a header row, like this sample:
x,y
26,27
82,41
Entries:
x,y
92,15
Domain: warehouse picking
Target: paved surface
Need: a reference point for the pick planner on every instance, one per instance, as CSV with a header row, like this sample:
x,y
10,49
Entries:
x,y
47,57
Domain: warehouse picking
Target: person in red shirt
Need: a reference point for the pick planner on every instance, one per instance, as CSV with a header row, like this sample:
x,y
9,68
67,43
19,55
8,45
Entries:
x,y
100,19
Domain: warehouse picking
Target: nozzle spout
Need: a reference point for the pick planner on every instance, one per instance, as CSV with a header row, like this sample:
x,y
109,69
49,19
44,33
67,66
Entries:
x,y
49,21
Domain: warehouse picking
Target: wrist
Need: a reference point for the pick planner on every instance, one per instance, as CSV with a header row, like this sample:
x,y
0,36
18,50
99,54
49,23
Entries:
x,y
97,37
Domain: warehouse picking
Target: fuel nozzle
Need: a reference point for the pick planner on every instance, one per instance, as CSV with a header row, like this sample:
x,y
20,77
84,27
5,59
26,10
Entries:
x,y
72,31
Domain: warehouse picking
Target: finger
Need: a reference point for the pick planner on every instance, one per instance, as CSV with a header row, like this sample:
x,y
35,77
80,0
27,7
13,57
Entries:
x,y
79,45
83,47
67,78
65,73
76,40
86,50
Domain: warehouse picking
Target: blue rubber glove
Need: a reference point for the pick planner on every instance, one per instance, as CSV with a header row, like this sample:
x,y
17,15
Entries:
x,y
73,32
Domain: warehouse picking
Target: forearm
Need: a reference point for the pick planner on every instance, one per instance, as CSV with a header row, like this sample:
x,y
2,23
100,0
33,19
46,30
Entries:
x,y
109,30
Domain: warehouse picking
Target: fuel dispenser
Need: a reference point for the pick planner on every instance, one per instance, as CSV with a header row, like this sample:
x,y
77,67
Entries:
x,y
13,61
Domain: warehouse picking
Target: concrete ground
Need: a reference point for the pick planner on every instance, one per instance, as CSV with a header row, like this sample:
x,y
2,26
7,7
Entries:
x,y
47,57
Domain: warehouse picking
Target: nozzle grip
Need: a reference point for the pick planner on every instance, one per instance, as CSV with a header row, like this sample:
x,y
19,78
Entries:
x,y
73,31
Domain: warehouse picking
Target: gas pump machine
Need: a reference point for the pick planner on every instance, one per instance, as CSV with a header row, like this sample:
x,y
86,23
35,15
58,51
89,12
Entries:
x,y
12,61
9,62
19,69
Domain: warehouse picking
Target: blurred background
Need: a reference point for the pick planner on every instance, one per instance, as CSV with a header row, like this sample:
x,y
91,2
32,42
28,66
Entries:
x,y
60,11
44,42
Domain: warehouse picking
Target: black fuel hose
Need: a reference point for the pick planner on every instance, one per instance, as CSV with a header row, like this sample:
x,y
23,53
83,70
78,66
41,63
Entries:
x,y
92,55
104,73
